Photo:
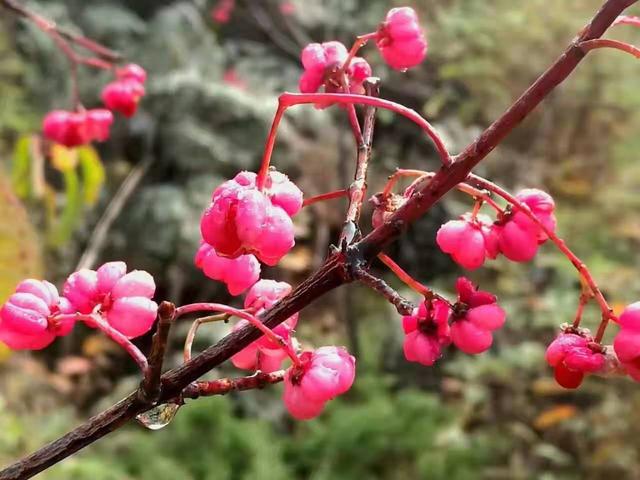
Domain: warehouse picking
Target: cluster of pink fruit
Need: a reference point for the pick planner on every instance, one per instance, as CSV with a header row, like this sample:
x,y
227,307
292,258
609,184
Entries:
x,y
36,314
74,128
247,224
468,324
249,220
399,39
474,238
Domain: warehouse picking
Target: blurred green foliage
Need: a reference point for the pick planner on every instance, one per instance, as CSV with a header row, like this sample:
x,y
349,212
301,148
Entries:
x,y
495,416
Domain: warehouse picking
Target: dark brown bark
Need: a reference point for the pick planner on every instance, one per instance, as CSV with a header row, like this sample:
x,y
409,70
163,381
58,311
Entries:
x,y
335,271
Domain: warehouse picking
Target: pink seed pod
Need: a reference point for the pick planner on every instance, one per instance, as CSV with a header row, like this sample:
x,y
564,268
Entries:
x,y
221,12
73,129
517,242
81,289
123,96
132,71
314,58
272,238
243,220
335,54
265,294
123,299
571,357
475,316
263,354
323,375
542,206
27,318
99,122
426,332
518,235
359,71
466,240
237,273
400,39
626,343
65,128
284,193
323,65
278,188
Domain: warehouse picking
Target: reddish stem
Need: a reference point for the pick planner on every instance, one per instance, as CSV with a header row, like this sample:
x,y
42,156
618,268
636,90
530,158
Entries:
x,y
627,20
268,149
325,196
360,42
291,99
607,311
253,320
584,299
223,386
589,45
404,276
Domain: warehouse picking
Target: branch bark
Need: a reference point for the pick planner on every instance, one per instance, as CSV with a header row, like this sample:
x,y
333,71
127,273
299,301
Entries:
x,y
358,188
334,272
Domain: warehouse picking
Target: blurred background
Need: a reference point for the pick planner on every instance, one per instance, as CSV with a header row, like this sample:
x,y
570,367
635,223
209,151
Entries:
x,y
213,83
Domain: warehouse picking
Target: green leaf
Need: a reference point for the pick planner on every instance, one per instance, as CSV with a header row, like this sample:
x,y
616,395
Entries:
x,y
21,167
93,175
71,212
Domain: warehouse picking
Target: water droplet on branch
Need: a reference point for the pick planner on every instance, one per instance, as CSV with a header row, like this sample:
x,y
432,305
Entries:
x,y
158,417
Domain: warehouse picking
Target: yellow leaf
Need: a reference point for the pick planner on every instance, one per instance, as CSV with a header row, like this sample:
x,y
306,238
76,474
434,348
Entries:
x,y
19,247
5,353
93,174
63,158
554,415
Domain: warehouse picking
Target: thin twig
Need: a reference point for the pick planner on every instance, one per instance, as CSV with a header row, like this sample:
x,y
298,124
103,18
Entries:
x,y
49,27
263,20
582,302
358,188
403,306
191,335
99,235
